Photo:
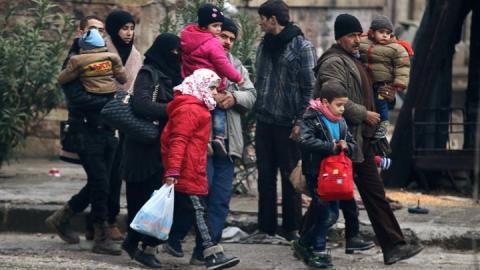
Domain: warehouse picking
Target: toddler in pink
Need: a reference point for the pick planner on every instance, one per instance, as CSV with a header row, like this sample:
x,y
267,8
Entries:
x,y
202,49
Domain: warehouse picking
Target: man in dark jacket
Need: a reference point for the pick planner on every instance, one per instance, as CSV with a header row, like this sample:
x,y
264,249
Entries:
x,y
284,84
340,63
95,144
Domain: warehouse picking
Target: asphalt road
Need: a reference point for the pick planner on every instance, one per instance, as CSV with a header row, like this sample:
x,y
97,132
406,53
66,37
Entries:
x,y
45,251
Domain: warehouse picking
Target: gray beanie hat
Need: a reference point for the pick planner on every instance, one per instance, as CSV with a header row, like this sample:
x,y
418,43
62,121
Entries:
x,y
381,22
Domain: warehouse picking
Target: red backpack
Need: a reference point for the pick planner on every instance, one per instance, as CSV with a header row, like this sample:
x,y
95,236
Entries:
x,y
335,179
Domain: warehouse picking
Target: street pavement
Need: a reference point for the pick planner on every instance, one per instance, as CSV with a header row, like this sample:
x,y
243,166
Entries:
x,y
46,251
28,194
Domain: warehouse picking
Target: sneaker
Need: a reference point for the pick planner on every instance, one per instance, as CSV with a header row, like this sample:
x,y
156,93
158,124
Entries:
x,y
382,129
174,249
219,148
320,260
215,258
197,259
401,252
357,243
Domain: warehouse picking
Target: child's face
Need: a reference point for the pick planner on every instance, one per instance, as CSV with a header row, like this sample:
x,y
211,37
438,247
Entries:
x,y
213,90
337,106
382,36
215,28
126,32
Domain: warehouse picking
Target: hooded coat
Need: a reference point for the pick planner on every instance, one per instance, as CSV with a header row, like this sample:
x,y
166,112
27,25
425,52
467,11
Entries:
x,y
184,147
202,49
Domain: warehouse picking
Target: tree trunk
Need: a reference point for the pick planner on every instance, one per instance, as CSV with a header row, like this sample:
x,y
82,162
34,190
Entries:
x,y
430,84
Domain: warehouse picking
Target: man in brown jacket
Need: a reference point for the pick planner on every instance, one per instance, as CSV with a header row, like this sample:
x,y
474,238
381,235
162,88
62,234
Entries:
x,y
340,63
95,66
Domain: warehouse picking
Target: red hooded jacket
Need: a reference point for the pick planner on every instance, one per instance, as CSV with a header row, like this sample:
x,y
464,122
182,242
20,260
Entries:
x,y
201,49
184,144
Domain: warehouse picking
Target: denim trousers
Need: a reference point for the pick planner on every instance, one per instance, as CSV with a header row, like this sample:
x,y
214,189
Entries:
x,y
325,215
218,122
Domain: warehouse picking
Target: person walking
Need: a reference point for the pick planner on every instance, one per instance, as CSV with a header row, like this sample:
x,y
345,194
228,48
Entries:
x,y
96,145
235,101
284,84
143,169
341,63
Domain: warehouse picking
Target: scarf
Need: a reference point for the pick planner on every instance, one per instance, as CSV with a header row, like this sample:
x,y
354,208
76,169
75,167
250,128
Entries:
x,y
198,85
318,106
114,22
160,56
275,44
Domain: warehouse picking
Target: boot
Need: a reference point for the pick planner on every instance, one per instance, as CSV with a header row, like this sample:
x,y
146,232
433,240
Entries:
x,y
115,233
102,242
147,257
216,259
59,221
89,231
357,243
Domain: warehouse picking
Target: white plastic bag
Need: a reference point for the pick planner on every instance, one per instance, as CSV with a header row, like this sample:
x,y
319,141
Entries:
x,y
156,215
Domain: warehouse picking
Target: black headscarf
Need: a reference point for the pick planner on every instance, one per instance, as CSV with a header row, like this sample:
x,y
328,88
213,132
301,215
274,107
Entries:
x,y
160,55
114,22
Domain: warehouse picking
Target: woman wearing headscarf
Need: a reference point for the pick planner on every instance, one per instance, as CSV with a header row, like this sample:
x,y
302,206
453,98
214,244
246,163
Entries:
x,y
120,26
143,169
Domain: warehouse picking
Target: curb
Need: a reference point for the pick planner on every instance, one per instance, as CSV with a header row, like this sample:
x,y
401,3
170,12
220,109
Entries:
x,y
29,218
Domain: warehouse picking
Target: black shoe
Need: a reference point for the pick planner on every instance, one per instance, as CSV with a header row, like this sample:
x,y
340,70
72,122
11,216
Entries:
x,y
320,261
216,259
401,252
129,246
357,243
174,249
147,257
291,235
197,259
300,251
219,149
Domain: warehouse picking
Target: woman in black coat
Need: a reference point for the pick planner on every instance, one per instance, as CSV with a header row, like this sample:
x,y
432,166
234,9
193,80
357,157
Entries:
x,y
143,170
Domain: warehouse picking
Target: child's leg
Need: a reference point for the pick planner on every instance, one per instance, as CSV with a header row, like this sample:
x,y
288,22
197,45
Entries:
x,y
380,103
218,143
382,108
212,252
218,118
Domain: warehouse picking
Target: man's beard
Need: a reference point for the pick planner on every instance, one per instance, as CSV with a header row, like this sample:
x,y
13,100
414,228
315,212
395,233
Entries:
x,y
356,54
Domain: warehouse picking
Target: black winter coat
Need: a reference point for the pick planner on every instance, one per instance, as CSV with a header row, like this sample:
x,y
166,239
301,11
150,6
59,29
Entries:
x,y
141,160
316,142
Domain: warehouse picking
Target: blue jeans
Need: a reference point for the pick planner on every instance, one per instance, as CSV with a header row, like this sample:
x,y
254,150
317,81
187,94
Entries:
x,y
219,118
380,104
220,180
325,215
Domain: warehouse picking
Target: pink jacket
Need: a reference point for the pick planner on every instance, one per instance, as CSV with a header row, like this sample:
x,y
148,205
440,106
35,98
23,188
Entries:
x,y
202,49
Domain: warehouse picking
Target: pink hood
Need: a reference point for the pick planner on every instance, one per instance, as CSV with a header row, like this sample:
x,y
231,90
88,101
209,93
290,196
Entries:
x,y
201,49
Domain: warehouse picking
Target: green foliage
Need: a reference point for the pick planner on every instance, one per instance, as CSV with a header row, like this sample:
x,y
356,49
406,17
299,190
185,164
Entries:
x,y
31,47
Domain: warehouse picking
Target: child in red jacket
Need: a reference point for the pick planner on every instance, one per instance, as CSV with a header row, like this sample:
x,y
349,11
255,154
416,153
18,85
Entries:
x,y
202,49
184,153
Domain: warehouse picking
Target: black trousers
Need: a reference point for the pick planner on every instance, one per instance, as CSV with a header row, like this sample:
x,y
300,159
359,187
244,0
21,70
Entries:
x,y
82,199
372,191
276,151
350,214
138,194
96,154
115,183
192,209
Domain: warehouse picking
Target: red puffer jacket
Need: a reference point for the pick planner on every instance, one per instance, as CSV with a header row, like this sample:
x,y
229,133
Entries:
x,y
184,144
